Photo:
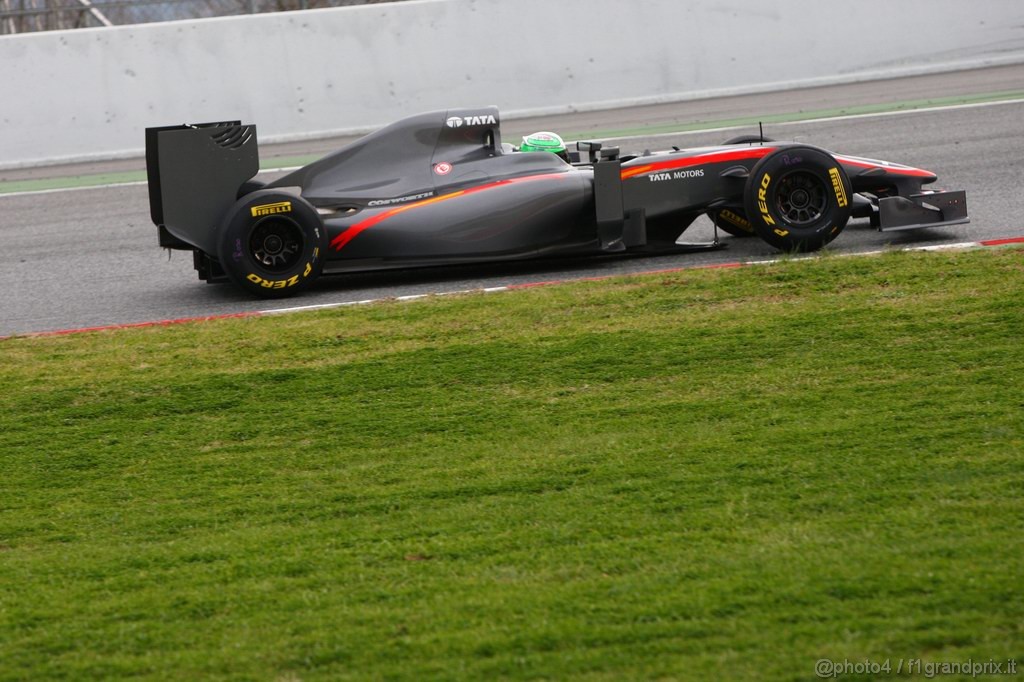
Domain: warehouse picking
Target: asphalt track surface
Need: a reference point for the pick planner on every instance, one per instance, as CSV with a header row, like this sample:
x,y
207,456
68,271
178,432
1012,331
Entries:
x,y
88,257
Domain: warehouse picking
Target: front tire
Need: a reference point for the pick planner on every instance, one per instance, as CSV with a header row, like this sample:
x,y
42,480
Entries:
x,y
798,198
272,244
732,221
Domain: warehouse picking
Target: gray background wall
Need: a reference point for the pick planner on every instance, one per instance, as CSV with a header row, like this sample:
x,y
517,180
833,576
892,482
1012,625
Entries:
x,y
86,94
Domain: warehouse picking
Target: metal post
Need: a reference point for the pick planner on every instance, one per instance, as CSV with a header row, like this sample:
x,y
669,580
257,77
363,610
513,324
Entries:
x,y
100,17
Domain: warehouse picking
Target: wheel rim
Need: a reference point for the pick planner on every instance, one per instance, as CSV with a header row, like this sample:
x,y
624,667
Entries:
x,y
276,244
802,198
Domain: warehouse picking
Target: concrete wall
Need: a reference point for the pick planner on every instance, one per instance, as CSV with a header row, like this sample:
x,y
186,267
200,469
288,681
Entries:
x,y
75,95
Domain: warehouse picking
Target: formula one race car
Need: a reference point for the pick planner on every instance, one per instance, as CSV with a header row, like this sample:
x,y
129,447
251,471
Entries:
x,y
441,188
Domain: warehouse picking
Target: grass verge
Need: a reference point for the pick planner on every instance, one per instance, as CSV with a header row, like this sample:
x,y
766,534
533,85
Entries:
x,y
696,475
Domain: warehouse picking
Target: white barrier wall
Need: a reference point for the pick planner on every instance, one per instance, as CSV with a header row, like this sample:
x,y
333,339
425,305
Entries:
x,y
76,95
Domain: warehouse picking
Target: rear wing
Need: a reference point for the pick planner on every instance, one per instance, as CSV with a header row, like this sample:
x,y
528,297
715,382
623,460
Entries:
x,y
194,173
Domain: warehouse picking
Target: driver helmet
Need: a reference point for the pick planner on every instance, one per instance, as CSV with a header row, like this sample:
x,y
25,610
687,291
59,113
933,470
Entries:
x,y
544,142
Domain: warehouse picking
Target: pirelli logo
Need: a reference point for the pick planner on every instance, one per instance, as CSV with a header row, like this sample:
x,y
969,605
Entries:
x,y
837,185
737,220
270,209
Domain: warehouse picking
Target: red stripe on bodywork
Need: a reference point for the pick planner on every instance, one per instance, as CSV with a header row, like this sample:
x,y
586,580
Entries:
x,y
757,153
710,157
897,170
352,232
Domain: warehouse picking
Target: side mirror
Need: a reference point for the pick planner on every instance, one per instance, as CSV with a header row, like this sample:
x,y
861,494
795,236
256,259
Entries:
x,y
592,149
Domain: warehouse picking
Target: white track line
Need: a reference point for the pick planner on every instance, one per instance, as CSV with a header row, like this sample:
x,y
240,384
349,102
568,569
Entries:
x,y
57,190
133,183
827,119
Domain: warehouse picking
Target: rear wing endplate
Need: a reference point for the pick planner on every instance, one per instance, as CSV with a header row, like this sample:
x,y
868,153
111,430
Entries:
x,y
194,173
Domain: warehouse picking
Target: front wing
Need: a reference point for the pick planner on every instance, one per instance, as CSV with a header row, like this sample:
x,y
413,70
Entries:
x,y
928,209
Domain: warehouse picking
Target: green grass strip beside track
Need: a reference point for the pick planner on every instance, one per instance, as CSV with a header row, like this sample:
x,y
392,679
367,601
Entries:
x,y
71,182
125,177
819,114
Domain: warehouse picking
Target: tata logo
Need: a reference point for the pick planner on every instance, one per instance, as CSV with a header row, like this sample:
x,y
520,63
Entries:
x,y
459,121
678,175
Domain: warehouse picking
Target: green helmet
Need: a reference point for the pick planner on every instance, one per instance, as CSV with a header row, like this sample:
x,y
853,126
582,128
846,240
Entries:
x,y
542,142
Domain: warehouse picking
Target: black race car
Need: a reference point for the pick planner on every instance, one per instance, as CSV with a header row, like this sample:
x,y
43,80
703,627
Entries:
x,y
442,188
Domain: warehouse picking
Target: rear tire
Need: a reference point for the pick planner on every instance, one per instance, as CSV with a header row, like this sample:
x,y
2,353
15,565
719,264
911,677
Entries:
x,y
272,244
798,198
250,186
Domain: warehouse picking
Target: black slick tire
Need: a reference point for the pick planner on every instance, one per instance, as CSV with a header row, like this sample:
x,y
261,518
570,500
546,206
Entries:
x,y
250,186
798,198
732,221
272,244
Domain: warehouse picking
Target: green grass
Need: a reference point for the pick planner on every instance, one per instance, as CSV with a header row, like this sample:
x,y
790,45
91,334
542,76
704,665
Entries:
x,y
698,475
793,117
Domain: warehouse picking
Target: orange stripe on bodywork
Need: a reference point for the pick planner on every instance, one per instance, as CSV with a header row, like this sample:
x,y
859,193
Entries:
x,y
710,157
348,235
759,152
352,232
